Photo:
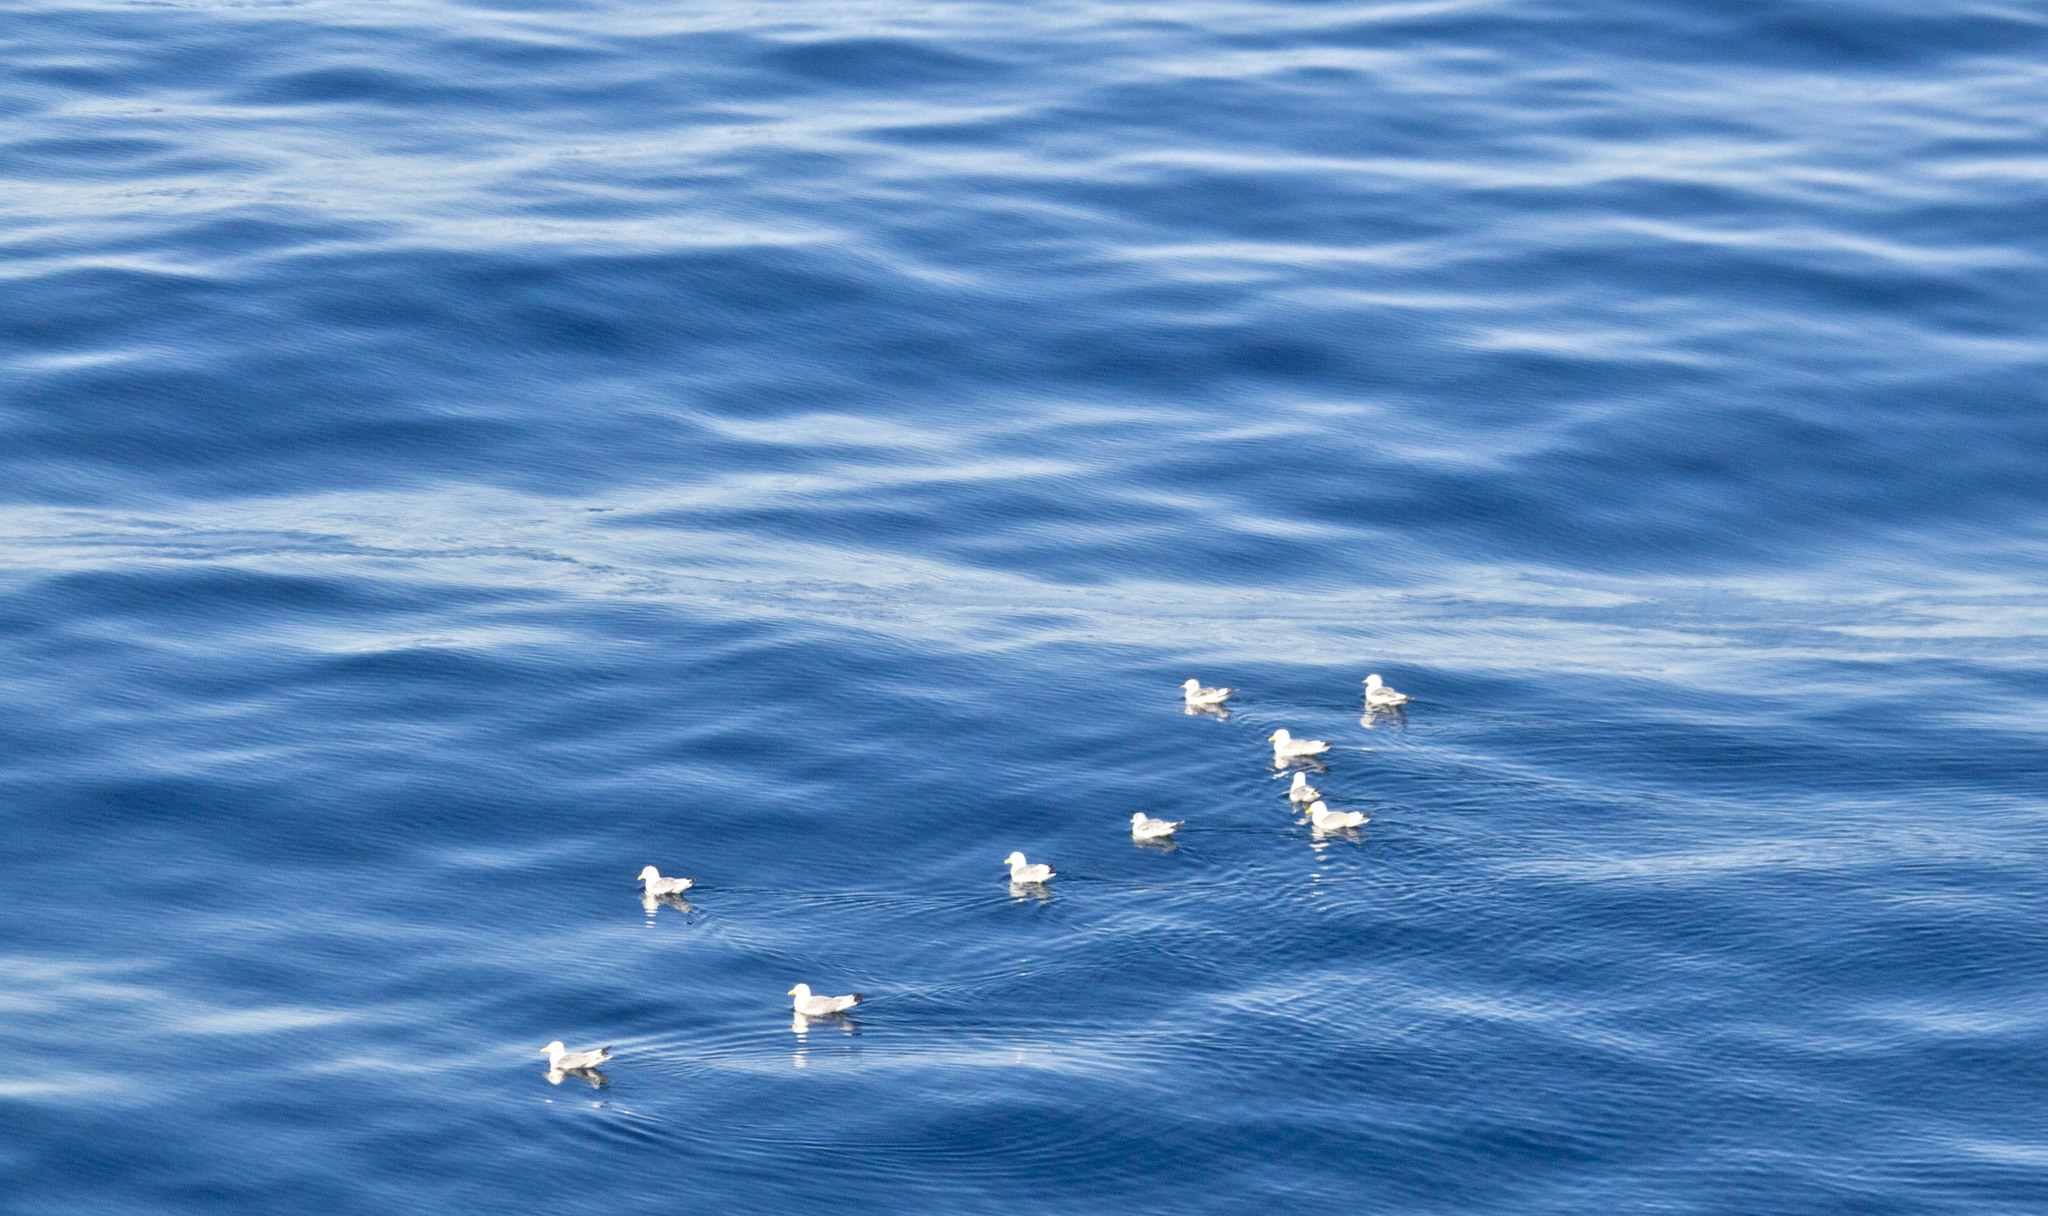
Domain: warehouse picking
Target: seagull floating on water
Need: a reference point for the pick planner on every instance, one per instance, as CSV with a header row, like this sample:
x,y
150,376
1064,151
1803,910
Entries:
x,y
1022,871
1379,696
1198,695
1327,820
561,1059
1302,791
821,1006
1144,827
657,885
1286,747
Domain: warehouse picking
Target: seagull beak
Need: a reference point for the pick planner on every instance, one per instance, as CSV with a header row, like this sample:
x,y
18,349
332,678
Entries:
x,y
791,992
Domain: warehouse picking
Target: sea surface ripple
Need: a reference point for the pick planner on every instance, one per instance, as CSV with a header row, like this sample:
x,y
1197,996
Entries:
x,y
454,454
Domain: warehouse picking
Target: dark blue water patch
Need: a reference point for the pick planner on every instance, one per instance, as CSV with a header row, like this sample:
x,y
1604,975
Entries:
x,y
47,154
135,52
367,85
525,58
213,424
891,63
1838,34
1803,34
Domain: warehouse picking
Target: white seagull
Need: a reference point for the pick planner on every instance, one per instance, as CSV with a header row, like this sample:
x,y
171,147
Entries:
x,y
1022,871
1302,791
1198,695
1286,747
1144,827
657,885
560,1059
1327,820
1379,696
821,1006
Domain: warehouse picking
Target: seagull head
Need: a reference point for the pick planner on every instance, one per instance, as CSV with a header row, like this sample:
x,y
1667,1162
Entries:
x,y
1138,818
1318,807
553,1049
801,992
1279,736
1373,680
1192,685
1014,859
649,873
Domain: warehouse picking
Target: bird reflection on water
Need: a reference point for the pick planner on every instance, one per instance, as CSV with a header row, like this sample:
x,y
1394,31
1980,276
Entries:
x,y
654,903
1376,716
844,1048
589,1076
1320,839
801,1023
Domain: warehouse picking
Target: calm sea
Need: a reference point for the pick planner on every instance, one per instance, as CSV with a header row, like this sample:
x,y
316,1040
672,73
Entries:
x,y
453,455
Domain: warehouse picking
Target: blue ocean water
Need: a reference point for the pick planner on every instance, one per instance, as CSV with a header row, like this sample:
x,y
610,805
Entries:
x,y
455,454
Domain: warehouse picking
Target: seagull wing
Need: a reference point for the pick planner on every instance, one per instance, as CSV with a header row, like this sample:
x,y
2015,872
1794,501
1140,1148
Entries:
x,y
570,1061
